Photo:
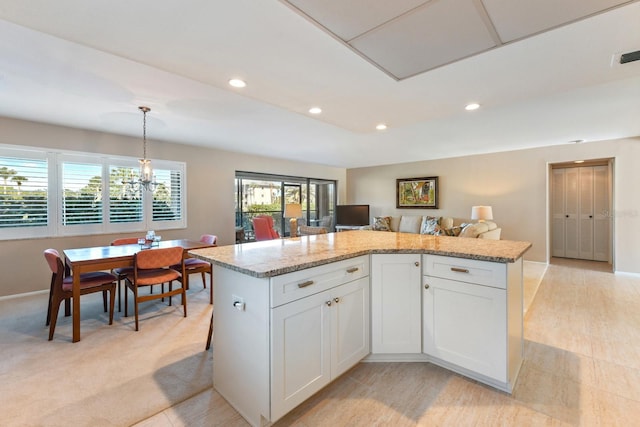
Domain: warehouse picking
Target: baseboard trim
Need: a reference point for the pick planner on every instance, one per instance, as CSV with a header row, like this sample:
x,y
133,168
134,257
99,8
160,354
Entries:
x,y
26,294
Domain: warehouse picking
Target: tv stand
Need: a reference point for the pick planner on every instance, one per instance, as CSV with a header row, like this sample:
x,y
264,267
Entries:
x,y
348,227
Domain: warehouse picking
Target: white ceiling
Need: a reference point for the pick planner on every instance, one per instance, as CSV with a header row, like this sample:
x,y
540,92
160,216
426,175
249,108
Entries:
x,y
91,64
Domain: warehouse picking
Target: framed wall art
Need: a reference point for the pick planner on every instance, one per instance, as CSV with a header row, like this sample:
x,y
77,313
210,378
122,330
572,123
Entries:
x,y
417,193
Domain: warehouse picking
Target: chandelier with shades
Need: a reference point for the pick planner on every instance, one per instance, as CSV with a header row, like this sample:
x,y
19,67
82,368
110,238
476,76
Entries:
x,y
146,180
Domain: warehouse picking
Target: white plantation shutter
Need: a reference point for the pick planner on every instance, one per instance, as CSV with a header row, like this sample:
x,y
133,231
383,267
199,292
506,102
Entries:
x,y
167,199
81,193
124,206
44,194
24,190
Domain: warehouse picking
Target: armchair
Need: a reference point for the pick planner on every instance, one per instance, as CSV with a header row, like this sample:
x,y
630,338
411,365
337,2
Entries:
x,y
263,228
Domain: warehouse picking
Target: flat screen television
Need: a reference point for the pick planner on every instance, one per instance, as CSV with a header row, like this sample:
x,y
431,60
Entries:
x,y
352,214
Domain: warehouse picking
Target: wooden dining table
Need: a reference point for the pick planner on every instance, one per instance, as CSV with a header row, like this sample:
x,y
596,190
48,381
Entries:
x,y
84,260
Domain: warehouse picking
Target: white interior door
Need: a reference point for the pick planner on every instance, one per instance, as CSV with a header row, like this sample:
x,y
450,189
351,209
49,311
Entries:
x,y
571,213
601,216
580,220
557,213
585,215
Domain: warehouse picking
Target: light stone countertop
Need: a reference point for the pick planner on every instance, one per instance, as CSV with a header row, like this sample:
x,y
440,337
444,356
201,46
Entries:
x,y
280,256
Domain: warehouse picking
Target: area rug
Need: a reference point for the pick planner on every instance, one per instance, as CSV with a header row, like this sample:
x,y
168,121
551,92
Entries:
x,y
114,376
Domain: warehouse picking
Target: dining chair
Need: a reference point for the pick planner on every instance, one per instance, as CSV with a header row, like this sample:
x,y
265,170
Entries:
x,y
263,228
121,272
62,288
153,267
195,266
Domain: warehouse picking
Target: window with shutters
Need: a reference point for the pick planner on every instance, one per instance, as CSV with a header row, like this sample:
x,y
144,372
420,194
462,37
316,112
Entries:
x,y
24,194
81,193
45,194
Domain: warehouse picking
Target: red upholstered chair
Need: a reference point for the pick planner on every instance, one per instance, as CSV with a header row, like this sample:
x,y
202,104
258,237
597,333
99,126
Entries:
x,y
122,272
153,267
61,288
195,266
263,228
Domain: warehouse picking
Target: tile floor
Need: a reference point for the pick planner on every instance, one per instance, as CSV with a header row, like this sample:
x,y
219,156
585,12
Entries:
x,y
581,368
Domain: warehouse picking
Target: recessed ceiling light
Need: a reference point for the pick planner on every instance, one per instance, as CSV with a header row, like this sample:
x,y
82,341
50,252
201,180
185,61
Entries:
x,y
381,126
578,161
472,106
315,110
237,83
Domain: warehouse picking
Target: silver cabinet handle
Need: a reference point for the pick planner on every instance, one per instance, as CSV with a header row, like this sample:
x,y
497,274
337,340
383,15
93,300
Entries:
x,y
459,270
426,286
337,300
352,269
417,264
328,303
305,284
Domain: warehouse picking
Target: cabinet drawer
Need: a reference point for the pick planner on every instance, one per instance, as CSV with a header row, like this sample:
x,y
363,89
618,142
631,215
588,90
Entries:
x,y
466,270
292,286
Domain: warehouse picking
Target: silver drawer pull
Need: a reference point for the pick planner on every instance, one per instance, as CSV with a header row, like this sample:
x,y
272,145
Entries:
x,y
352,269
305,284
459,270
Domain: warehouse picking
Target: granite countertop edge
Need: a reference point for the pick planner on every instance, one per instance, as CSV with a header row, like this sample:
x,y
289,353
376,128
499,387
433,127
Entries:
x,y
329,259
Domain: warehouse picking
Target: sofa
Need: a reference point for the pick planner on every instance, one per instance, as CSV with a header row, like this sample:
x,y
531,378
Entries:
x,y
439,226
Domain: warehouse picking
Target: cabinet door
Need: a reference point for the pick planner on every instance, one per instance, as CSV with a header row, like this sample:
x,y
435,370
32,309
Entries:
x,y
349,325
300,351
395,303
465,324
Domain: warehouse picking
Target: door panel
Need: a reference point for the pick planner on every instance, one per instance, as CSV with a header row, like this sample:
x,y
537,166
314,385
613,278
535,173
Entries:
x,y
557,213
571,212
601,214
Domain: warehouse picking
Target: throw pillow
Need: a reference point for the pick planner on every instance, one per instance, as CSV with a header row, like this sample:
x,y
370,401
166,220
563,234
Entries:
x,y
410,224
453,231
472,230
430,225
381,223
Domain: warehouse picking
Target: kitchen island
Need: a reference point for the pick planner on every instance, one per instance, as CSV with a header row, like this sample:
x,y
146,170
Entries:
x,y
291,315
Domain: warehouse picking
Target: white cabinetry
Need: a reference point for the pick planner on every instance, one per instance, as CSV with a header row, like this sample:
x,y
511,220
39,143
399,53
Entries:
x,y
314,340
472,312
395,304
291,335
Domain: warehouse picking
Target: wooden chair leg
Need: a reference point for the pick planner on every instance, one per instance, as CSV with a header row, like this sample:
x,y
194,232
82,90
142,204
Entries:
x,y
119,296
210,332
126,300
67,307
204,281
210,288
53,279
184,301
112,304
135,303
104,300
55,307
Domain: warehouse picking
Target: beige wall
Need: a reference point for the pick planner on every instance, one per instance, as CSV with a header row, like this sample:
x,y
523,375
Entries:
x,y
210,192
515,183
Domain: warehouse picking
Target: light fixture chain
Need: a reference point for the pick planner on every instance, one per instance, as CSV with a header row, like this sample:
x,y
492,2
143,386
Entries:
x,y
144,133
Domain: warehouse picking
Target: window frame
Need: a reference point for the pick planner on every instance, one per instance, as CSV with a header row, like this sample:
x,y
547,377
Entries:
x,y
55,191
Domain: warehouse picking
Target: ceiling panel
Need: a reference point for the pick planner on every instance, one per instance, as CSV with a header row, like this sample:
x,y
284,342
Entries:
x,y
438,33
516,19
349,19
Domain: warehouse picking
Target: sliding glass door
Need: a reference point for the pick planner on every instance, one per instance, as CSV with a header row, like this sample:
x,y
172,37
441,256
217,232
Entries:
x,y
262,194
